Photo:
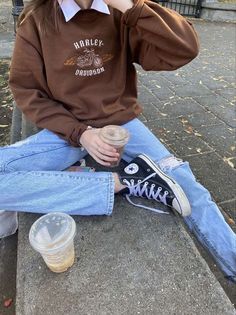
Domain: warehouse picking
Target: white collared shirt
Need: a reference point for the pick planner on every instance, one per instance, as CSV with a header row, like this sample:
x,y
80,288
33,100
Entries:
x,y
70,7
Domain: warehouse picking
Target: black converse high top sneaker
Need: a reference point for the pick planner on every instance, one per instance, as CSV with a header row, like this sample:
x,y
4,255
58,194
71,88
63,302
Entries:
x,y
144,178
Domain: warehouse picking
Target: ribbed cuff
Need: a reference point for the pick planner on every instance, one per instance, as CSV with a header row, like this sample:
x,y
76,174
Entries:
x,y
76,134
131,16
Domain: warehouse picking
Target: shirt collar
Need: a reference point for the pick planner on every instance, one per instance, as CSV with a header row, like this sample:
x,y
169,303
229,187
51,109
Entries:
x,y
70,7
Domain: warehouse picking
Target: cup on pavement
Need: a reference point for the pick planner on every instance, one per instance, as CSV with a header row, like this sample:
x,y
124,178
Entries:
x,y
52,235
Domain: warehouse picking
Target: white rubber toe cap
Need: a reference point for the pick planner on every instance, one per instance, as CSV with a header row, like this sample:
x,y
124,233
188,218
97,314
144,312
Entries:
x,y
183,209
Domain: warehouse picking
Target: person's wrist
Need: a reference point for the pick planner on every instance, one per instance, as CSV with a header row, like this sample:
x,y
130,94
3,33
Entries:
x,y
82,135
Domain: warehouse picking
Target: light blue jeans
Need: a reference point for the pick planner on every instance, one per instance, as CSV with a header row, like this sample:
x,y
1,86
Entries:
x,y
31,181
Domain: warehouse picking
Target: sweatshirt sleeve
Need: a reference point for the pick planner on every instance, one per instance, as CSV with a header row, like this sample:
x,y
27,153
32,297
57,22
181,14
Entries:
x,y
159,38
28,84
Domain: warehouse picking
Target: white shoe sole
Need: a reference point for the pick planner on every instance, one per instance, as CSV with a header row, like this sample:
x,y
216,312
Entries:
x,y
180,203
8,223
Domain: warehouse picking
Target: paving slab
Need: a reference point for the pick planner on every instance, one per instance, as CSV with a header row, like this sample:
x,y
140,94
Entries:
x,y
6,44
229,78
180,106
230,206
163,94
228,94
219,106
134,262
144,96
191,145
192,76
150,112
218,176
173,78
204,118
8,249
221,137
192,90
168,129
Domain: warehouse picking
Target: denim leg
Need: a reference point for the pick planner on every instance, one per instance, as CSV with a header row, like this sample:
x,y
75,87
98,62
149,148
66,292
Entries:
x,y
31,179
206,220
142,140
75,193
42,151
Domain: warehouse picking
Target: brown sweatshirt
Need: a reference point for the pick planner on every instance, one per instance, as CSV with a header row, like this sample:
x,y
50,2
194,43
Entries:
x,y
84,75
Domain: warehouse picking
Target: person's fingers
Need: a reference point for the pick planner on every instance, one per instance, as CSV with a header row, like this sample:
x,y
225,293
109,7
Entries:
x,y
96,153
105,146
107,149
108,153
100,161
105,157
102,152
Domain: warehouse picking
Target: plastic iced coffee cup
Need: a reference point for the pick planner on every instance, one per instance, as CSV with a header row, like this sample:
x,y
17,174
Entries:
x,y
52,235
117,137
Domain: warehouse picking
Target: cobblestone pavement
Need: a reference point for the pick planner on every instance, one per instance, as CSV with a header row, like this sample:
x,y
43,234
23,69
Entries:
x,y
6,20
192,110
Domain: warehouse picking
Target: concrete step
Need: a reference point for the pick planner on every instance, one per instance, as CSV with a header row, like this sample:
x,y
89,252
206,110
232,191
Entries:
x,y
7,41
134,262
218,11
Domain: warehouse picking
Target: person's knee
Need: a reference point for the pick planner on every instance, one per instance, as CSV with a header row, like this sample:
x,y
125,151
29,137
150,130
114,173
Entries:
x,y
173,165
170,163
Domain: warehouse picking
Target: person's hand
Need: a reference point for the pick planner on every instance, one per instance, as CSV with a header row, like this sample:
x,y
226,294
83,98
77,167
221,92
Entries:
x,y
102,152
121,5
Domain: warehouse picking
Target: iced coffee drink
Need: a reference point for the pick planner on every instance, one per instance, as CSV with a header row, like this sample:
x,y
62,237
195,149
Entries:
x,y
52,235
62,261
117,137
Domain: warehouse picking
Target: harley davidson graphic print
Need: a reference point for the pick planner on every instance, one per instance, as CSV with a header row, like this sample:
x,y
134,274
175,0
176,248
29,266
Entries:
x,y
89,59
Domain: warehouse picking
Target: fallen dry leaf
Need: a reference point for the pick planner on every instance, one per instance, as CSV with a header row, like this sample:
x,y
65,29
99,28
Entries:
x,y
184,120
189,129
231,221
8,302
3,126
227,160
161,130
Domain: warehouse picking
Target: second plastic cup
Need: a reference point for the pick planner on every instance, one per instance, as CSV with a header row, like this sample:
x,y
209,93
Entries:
x,y
117,137
52,235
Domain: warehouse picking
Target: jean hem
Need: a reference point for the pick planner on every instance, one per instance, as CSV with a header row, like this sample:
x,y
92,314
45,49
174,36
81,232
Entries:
x,y
111,194
208,246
